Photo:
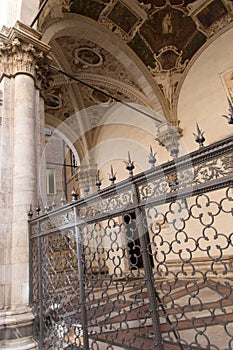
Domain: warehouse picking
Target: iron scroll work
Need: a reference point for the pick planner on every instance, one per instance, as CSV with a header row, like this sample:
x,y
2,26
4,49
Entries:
x,y
143,264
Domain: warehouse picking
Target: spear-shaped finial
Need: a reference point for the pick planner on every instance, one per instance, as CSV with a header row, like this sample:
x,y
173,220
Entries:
x,y
230,116
46,207
174,150
129,165
63,199
38,208
112,176
199,137
152,158
30,212
53,203
98,181
74,195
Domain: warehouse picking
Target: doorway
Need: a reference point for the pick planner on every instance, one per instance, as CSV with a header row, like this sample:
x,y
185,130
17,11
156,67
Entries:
x,y
133,242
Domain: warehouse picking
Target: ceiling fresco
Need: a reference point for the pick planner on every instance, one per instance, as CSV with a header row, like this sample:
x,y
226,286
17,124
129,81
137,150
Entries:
x,y
96,67
164,35
86,57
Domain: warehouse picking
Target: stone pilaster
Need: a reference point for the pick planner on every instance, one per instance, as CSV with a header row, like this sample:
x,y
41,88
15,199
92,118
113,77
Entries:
x,y
87,179
23,65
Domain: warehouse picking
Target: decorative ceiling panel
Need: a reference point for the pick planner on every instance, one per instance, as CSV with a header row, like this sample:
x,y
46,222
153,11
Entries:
x,y
89,8
86,57
57,102
150,25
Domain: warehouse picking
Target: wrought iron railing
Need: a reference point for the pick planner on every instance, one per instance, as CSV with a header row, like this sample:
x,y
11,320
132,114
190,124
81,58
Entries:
x,y
143,264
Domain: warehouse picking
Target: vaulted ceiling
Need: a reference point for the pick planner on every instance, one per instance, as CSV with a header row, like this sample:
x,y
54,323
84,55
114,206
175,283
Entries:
x,y
133,50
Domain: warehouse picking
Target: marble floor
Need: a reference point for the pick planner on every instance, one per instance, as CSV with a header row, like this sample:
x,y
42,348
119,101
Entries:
x,y
193,314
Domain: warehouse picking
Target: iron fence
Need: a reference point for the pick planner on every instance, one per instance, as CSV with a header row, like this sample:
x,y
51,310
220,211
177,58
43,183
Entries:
x,y
146,263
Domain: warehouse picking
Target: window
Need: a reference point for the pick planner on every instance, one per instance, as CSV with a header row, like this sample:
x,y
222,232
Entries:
x,y
73,163
50,181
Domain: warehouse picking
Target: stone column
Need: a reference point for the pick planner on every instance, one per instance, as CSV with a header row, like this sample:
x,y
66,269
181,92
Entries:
x,y
22,56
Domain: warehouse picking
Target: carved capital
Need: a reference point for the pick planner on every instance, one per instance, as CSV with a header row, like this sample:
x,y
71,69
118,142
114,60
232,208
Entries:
x,y
168,134
21,51
87,178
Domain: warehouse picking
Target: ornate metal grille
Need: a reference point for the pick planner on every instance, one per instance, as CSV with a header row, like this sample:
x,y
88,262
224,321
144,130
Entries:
x,y
143,264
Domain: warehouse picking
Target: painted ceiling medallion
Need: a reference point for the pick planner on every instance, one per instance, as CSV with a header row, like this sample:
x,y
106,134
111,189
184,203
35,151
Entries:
x,y
53,101
169,58
99,97
87,56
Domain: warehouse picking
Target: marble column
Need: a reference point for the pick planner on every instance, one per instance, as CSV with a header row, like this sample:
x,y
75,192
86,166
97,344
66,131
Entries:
x,y
22,55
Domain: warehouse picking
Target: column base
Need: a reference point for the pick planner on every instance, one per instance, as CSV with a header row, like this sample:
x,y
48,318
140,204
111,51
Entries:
x,y
16,330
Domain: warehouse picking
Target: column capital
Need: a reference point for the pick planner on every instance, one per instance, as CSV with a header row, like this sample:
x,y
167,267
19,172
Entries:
x,y
86,178
22,51
168,133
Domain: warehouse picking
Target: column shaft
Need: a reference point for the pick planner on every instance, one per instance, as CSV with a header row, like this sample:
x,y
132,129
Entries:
x,y
24,184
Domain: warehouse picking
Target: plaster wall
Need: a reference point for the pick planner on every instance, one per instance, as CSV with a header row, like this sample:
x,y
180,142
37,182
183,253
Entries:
x,y
126,130
203,97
